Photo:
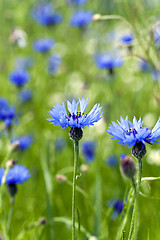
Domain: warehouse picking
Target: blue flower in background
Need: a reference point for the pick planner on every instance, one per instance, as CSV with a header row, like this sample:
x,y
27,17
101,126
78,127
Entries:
x,y
75,118
25,95
108,61
145,66
19,77
23,142
76,2
43,45
155,75
130,133
3,103
23,63
111,161
53,63
8,115
59,144
88,149
17,174
81,18
127,39
117,206
45,15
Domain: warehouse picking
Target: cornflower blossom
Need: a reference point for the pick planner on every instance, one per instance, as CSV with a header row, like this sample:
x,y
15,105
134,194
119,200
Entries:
x,y
19,77
3,102
127,39
75,118
88,149
131,134
45,15
43,45
54,62
76,2
111,161
7,115
23,62
108,61
117,206
25,95
23,142
81,18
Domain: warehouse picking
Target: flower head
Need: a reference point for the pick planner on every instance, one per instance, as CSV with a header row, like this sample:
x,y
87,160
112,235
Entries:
x,y
127,39
88,149
81,18
17,174
19,77
131,134
25,95
7,114
54,63
45,15
23,63
43,45
76,2
117,206
75,118
23,142
111,161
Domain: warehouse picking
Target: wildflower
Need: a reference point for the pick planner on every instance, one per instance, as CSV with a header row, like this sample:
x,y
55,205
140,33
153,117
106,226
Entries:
x,y
23,142
59,144
3,103
54,63
75,119
111,161
155,75
23,63
117,206
7,115
127,39
25,95
108,61
132,133
19,77
88,149
76,2
16,175
43,45
81,18
45,15
128,167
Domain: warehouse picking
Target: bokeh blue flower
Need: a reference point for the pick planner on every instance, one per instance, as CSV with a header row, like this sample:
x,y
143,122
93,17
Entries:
x,y
23,142
117,206
111,161
54,62
7,114
81,18
43,45
88,150
25,95
75,118
76,2
130,133
17,174
23,63
19,77
127,39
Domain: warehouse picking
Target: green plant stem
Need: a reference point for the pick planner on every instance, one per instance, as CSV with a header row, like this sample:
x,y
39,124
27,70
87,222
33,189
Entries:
x,y
10,215
76,154
139,174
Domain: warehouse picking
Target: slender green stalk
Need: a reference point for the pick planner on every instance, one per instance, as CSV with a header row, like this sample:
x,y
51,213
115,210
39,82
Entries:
x,y
10,215
76,154
139,174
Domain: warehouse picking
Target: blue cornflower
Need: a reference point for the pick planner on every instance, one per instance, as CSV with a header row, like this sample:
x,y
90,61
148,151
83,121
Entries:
x,y
76,2
45,14
75,118
117,206
43,45
88,149
54,63
111,161
17,174
8,115
81,18
59,144
108,61
130,133
3,103
23,63
19,77
23,142
25,95
127,39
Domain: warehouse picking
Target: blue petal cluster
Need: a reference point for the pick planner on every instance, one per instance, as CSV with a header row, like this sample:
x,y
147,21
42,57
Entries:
x,y
76,2
117,206
81,18
54,63
108,61
23,63
19,77
111,161
17,174
45,15
127,39
7,113
23,142
75,118
25,95
43,45
130,133
88,149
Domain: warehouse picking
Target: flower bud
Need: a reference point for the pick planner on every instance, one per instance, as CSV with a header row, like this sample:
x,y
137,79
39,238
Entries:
x,y
128,166
76,134
139,150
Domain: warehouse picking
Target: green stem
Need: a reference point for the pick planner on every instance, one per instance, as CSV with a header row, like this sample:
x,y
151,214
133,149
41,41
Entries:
x,y
10,215
139,174
76,153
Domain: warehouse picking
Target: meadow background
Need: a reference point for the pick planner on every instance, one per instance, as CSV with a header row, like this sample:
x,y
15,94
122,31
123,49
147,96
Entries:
x,y
130,90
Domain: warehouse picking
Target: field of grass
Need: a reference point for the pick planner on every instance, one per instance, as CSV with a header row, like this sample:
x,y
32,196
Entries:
x,y
42,206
